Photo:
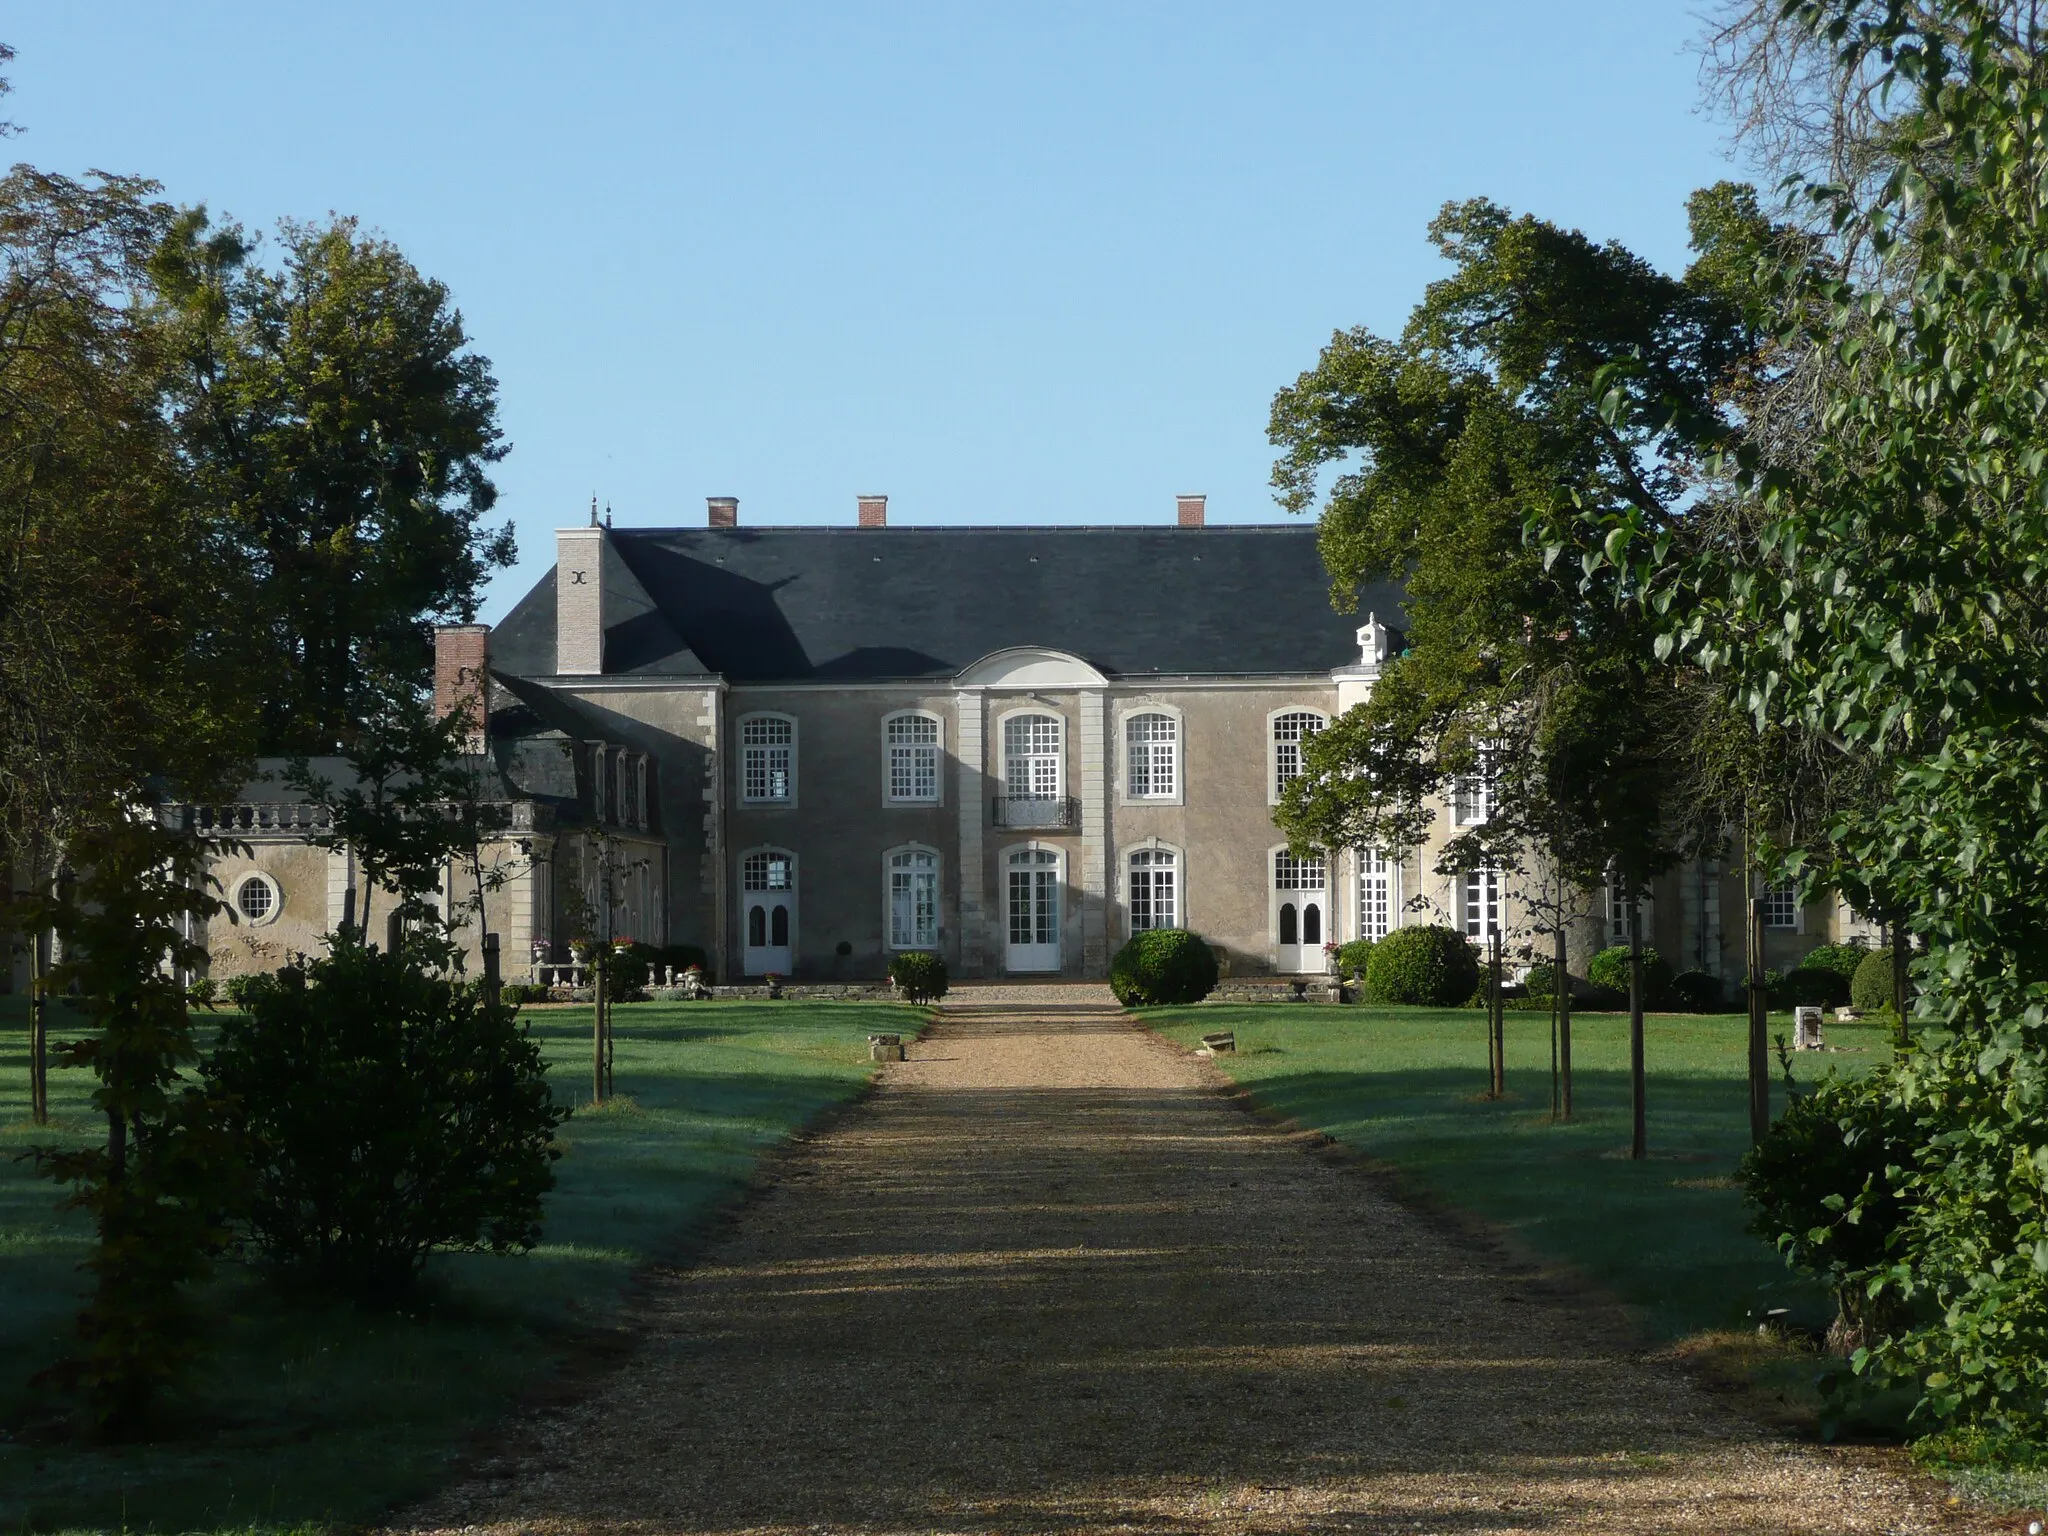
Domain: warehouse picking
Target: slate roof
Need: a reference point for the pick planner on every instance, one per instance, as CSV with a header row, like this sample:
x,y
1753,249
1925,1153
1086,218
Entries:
x,y
872,604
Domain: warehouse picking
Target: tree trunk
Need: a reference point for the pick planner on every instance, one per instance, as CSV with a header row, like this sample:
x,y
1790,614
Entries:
x,y
1496,1022
597,1024
1638,1139
1759,1029
1901,979
1564,1019
38,1029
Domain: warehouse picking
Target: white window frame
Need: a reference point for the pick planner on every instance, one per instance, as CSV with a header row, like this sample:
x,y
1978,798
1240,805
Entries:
x,y
1178,754
889,872
1374,865
1784,899
1481,902
1149,849
270,914
1473,794
1615,913
936,746
1059,754
768,851
1274,746
746,749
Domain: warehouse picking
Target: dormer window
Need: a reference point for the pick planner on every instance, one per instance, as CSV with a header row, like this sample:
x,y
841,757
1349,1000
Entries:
x,y
768,760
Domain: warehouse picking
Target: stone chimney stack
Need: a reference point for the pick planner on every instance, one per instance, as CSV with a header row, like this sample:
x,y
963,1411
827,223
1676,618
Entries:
x,y
723,511
874,511
1193,510
461,681
579,601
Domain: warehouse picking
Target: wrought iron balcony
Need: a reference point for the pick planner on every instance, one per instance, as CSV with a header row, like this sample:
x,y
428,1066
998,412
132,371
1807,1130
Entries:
x,y
1049,813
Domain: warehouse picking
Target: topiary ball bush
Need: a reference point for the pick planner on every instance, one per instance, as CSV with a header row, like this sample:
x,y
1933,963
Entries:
x,y
1811,986
1541,980
1836,957
1870,989
1163,965
1353,958
1426,965
1697,992
919,975
1609,972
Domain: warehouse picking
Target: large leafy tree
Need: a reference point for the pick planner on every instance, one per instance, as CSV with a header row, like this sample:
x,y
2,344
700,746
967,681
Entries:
x,y
332,407
1888,597
1490,412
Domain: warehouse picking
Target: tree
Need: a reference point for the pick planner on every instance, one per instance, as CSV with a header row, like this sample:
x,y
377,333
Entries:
x,y
334,408
1488,415
1891,603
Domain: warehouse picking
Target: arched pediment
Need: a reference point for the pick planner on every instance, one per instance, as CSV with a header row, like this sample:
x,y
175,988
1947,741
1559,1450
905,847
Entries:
x,y
1030,666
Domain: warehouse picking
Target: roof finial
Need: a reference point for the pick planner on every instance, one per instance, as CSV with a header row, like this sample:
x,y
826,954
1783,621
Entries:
x,y
593,509
607,514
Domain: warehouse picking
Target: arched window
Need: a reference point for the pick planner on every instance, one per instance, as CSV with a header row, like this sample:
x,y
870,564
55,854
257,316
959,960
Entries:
x,y
1290,730
768,760
910,752
1155,889
913,876
1152,757
1034,773
768,871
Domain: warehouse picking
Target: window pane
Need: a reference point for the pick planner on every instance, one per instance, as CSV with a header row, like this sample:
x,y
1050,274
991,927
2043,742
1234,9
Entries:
x,y
1289,731
1375,894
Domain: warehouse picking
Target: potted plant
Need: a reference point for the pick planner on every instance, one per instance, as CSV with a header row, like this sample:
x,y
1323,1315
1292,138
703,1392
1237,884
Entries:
x,y
622,945
1330,961
774,980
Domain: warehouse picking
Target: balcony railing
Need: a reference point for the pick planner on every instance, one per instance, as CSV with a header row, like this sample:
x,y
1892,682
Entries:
x,y
1039,812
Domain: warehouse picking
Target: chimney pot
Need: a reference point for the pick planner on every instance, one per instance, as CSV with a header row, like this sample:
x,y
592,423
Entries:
x,y
874,511
724,511
461,679
1193,510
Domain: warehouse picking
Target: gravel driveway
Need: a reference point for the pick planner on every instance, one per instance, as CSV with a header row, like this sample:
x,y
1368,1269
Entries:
x,y
1049,1278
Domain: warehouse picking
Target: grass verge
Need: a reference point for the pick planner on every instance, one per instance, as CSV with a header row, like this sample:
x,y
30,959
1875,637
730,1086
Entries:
x,y
307,1413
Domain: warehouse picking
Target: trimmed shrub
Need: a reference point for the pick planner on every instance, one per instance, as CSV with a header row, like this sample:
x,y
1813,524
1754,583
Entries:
x,y
1163,965
1870,989
1353,958
1811,986
1541,980
1697,992
383,1111
1836,957
919,975
1608,971
516,992
1427,965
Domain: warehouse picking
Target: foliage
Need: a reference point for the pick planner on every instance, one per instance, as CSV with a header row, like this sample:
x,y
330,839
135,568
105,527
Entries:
x,y
919,975
159,1187
514,993
1609,971
240,990
1810,986
1428,965
1870,989
1841,958
333,405
1163,965
1697,992
1822,1185
1541,981
1353,958
384,1112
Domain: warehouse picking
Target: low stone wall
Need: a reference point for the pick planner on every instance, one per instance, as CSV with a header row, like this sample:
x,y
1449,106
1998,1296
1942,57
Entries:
x,y
1279,989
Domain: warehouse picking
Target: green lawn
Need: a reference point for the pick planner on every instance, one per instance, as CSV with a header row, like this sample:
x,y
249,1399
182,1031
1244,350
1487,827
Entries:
x,y
1406,1086
308,1413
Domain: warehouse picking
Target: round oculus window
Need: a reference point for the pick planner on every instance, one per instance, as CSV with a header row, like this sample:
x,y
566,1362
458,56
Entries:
x,y
257,899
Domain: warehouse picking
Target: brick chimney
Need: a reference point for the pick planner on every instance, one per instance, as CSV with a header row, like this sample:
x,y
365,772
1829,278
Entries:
x,y
1193,509
579,601
461,681
723,511
874,511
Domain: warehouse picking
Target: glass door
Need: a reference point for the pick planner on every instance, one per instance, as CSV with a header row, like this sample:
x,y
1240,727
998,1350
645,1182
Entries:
x,y
1033,910
1301,906
767,913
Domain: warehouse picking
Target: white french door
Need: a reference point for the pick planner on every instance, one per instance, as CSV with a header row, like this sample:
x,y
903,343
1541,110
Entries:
x,y
1032,910
767,913
1301,912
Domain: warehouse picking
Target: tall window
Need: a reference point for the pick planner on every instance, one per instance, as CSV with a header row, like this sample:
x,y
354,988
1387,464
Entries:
x,y
1376,898
1479,896
913,899
1289,732
1151,757
912,744
1155,902
1617,912
1781,907
1472,793
1031,757
768,759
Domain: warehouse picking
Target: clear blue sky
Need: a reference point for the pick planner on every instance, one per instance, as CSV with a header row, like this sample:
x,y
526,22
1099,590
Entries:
x,y
1017,264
